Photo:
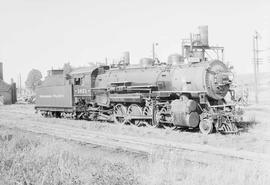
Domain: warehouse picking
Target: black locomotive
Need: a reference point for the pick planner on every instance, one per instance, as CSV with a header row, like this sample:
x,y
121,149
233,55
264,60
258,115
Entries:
x,y
187,91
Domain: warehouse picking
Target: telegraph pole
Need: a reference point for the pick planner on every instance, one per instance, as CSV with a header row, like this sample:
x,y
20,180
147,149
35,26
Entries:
x,y
256,64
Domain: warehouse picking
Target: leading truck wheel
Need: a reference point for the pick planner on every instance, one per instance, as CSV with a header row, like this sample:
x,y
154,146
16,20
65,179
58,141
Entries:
x,y
206,126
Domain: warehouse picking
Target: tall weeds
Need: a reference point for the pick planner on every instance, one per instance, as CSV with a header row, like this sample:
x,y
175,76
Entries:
x,y
31,161
28,159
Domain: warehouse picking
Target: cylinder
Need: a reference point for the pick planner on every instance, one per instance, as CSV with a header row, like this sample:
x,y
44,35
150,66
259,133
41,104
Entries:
x,y
186,120
203,31
192,119
183,114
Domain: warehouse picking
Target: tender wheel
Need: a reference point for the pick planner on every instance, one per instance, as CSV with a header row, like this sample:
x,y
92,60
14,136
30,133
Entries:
x,y
74,115
119,114
44,114
206,126
56,114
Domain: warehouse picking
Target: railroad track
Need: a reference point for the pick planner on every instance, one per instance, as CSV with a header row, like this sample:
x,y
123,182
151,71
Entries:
x,y
192,152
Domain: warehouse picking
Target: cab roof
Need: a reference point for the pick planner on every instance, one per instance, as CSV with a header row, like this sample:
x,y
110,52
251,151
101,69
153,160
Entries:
x,y
81,71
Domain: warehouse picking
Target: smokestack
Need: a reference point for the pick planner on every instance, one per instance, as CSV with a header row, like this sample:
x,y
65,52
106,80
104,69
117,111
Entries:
x,y
1,71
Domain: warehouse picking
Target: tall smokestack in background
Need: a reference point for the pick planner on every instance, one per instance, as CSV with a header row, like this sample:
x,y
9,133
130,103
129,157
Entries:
x,y
1,71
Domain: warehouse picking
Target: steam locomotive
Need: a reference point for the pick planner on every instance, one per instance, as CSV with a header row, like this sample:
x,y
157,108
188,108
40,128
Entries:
x,y
188,91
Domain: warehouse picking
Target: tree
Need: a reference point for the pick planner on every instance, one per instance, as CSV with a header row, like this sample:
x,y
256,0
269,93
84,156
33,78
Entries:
x,y
33,79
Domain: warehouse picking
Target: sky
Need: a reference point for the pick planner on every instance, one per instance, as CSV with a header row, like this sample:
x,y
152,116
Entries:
x,y
45,34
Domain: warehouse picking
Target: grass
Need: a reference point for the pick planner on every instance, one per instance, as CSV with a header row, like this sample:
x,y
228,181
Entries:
x,y
169,167
30,159
33,160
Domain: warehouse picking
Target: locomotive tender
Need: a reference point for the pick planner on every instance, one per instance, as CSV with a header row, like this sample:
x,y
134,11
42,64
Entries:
x,y
188,91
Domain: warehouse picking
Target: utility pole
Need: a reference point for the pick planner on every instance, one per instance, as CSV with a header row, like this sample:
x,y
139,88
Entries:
x,y
256,64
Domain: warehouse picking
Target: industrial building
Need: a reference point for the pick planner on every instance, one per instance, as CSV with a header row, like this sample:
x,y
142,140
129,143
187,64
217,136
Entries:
x,y
7,91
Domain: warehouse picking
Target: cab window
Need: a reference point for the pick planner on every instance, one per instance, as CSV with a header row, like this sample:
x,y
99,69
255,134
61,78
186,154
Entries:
x,y
77,81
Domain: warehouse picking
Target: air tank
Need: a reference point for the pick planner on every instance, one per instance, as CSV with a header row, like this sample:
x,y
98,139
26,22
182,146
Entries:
x,y
203,31
175,59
